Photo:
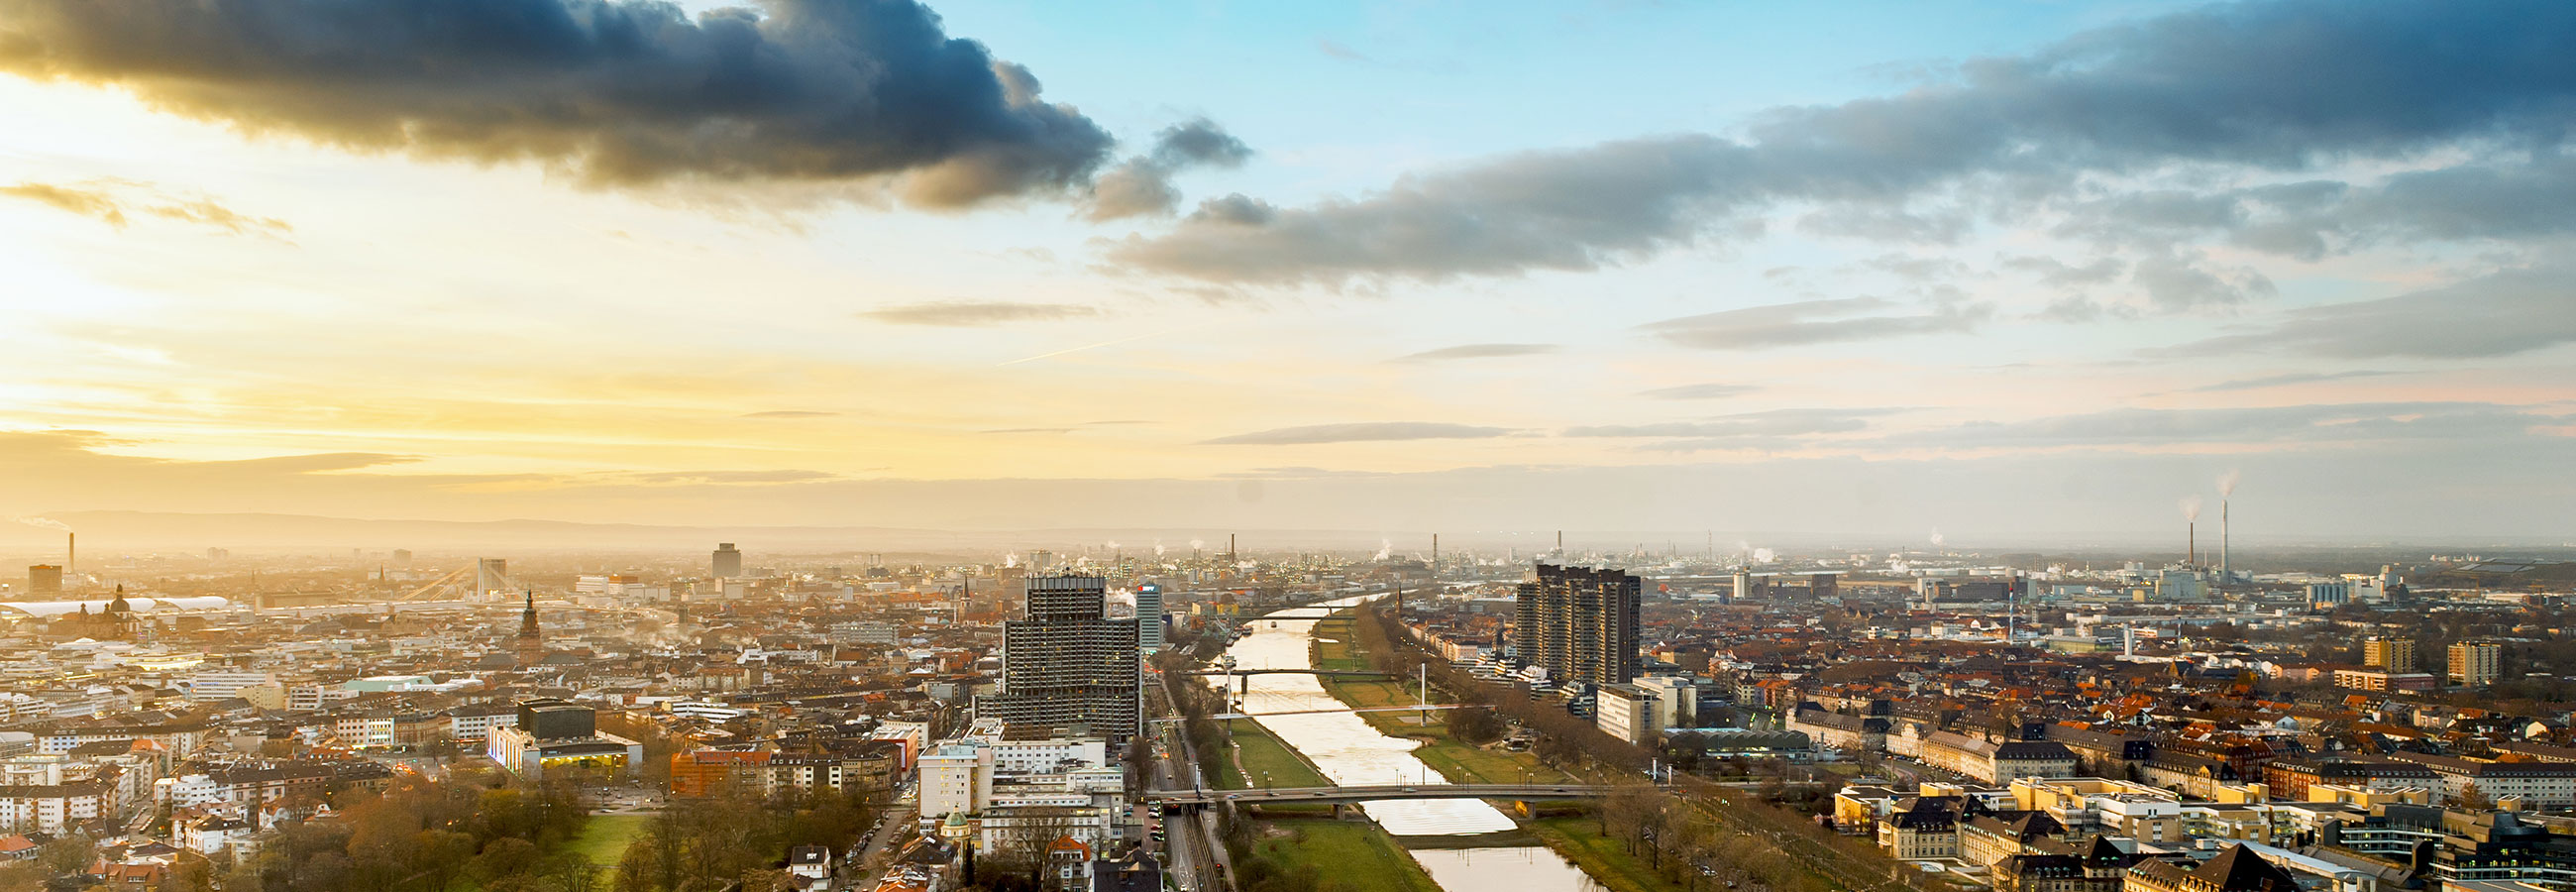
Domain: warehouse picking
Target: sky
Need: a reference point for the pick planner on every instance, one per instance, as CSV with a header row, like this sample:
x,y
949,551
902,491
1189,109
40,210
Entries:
x,y
1998,270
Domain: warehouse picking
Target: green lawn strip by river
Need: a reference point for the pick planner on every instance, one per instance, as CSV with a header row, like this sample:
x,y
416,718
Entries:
x,y
1579,840
1459,761
1356,856
1262,752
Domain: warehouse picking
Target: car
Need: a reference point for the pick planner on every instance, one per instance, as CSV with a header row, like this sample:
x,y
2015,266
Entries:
x,y
1411,790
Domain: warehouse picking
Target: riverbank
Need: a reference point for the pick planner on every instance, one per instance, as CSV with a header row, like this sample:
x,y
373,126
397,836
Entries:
x,y
1337,647
1356,856
1580,841
1266,761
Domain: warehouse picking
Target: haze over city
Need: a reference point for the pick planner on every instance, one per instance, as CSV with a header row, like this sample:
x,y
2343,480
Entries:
x,y
2009,271
1326,446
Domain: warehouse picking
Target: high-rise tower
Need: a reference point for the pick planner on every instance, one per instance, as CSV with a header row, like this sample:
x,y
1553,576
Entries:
x,y
1067,665
727,561
1579,623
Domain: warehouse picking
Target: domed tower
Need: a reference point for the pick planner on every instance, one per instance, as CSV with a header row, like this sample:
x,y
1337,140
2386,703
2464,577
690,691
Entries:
x,y
120,614
530,647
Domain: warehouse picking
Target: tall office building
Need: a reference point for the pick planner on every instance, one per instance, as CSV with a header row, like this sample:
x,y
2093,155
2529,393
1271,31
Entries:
x,y
45,579
2389,654
1068,665
1579,624
728,562
1149,617
1041,561
2477,663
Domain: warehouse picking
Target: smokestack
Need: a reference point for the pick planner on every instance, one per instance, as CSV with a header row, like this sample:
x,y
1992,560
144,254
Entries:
x,y
2223,576
2190,544
71,552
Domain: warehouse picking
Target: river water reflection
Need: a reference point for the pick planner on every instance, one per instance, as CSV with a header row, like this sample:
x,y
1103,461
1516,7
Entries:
x,y
1347,750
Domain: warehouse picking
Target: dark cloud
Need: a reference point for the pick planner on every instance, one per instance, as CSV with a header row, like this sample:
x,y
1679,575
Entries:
x,y
2285,380
2175,283
1478,351
968,314
1359,432
1699,392
2056,272
789,413
2504,313
1142,185
615,92
1813,322
2277,86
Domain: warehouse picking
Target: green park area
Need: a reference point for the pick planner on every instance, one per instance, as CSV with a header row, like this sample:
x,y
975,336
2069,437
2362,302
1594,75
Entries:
x,y
1458,760
1580,841
1360,857
1262,753
604,838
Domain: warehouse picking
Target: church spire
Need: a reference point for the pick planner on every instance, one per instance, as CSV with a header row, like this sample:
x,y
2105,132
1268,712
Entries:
x,y
531,647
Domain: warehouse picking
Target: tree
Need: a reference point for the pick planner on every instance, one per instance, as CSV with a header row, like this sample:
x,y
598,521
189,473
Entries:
x,y
439,856
1475,724
503,858
2474,799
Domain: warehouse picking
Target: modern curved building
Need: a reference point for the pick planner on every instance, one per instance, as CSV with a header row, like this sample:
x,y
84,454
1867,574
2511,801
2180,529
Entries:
x,y
51,609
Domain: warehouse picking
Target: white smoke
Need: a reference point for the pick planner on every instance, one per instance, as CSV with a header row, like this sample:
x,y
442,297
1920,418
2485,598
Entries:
x,y
1939,540
1158,548
2227,483
1113,546
46,522
1196,544
1765,555
2190,507
1385,547
1010,560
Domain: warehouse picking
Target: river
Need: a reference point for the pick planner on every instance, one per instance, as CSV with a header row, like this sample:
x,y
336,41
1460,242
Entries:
x,y
1347,750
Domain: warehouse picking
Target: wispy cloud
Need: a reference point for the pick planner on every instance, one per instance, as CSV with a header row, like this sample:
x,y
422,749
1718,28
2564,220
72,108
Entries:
x,y
1478,351
2502,314
2284,380
1359,432
108,202
789,413
1699,392
1813,322
972,314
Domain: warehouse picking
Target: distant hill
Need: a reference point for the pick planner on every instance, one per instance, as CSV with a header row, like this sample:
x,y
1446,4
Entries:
x,y
130,531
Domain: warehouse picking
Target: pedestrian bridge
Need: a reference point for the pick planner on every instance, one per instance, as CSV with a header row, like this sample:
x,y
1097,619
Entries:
x,y
1281,795
1321,673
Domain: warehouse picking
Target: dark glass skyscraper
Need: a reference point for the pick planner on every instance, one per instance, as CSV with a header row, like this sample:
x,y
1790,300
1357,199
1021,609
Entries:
x,y
1067,665
1579,623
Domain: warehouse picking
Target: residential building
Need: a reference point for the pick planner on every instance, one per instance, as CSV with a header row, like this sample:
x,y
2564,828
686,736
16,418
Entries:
x,y
1579,624
2476,664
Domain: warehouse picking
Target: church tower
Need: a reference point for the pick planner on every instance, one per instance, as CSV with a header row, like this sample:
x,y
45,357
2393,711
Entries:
x,y
531,647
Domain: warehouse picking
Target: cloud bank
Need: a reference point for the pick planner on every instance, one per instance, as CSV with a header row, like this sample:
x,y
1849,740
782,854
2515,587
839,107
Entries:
x,y
613,92
2269,87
